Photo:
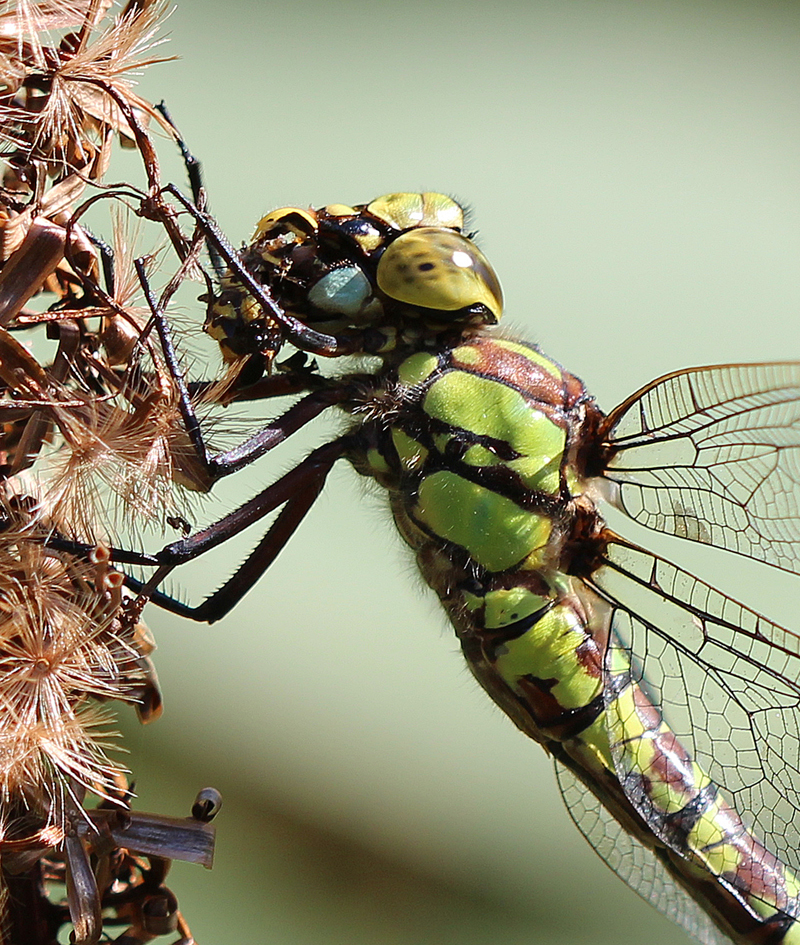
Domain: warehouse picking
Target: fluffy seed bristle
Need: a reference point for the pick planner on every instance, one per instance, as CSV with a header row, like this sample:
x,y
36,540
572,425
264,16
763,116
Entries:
x,y
119,463
90,77
62,648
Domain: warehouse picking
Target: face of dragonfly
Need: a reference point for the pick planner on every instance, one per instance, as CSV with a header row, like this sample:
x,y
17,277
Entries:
x,y
397,271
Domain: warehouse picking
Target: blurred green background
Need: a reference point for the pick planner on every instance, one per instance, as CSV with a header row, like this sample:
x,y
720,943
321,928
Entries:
x,y
634,172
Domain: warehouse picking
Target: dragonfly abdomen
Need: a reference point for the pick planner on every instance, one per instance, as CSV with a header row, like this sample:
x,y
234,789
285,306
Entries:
x,y
543,659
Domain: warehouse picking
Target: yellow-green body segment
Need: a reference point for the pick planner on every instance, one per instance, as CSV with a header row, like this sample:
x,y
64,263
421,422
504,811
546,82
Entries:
x,y
481,455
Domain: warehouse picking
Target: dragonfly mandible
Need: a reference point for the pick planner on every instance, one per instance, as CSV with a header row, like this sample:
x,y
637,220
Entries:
x,y
495,460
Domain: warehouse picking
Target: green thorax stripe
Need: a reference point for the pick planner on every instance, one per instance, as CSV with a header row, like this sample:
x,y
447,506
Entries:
x,y
480,449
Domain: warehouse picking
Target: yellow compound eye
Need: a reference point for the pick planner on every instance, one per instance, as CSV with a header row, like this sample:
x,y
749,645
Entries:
x,y
402,211
439,269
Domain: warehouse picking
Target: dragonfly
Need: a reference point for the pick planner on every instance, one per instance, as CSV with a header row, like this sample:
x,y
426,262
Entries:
x,y
671,710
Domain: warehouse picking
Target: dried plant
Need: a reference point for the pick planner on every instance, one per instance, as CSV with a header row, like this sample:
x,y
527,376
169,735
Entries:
x,y
93,433
60,99
66,94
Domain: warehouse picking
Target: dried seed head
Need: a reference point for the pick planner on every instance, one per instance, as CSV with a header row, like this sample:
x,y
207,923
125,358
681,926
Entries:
x,y
66,92
118,464
64,649
99,430
67,78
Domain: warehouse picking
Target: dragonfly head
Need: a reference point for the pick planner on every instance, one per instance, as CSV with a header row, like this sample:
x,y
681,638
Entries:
x,y
398,264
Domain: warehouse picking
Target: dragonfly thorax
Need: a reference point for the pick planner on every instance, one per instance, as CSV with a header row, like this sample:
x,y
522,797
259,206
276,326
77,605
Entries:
x,y
476,447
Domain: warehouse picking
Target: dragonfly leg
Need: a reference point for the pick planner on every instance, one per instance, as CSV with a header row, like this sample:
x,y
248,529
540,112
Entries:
x,y
223,464
307,478
313,470
194,171
296,492
107,261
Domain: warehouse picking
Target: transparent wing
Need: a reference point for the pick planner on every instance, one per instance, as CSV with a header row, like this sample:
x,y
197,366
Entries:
x,y
713,454
639,867
725,680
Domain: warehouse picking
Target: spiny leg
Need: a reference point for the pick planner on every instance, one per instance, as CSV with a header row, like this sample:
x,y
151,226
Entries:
x,y
314,468
296,492
222,464
194,171
107,261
